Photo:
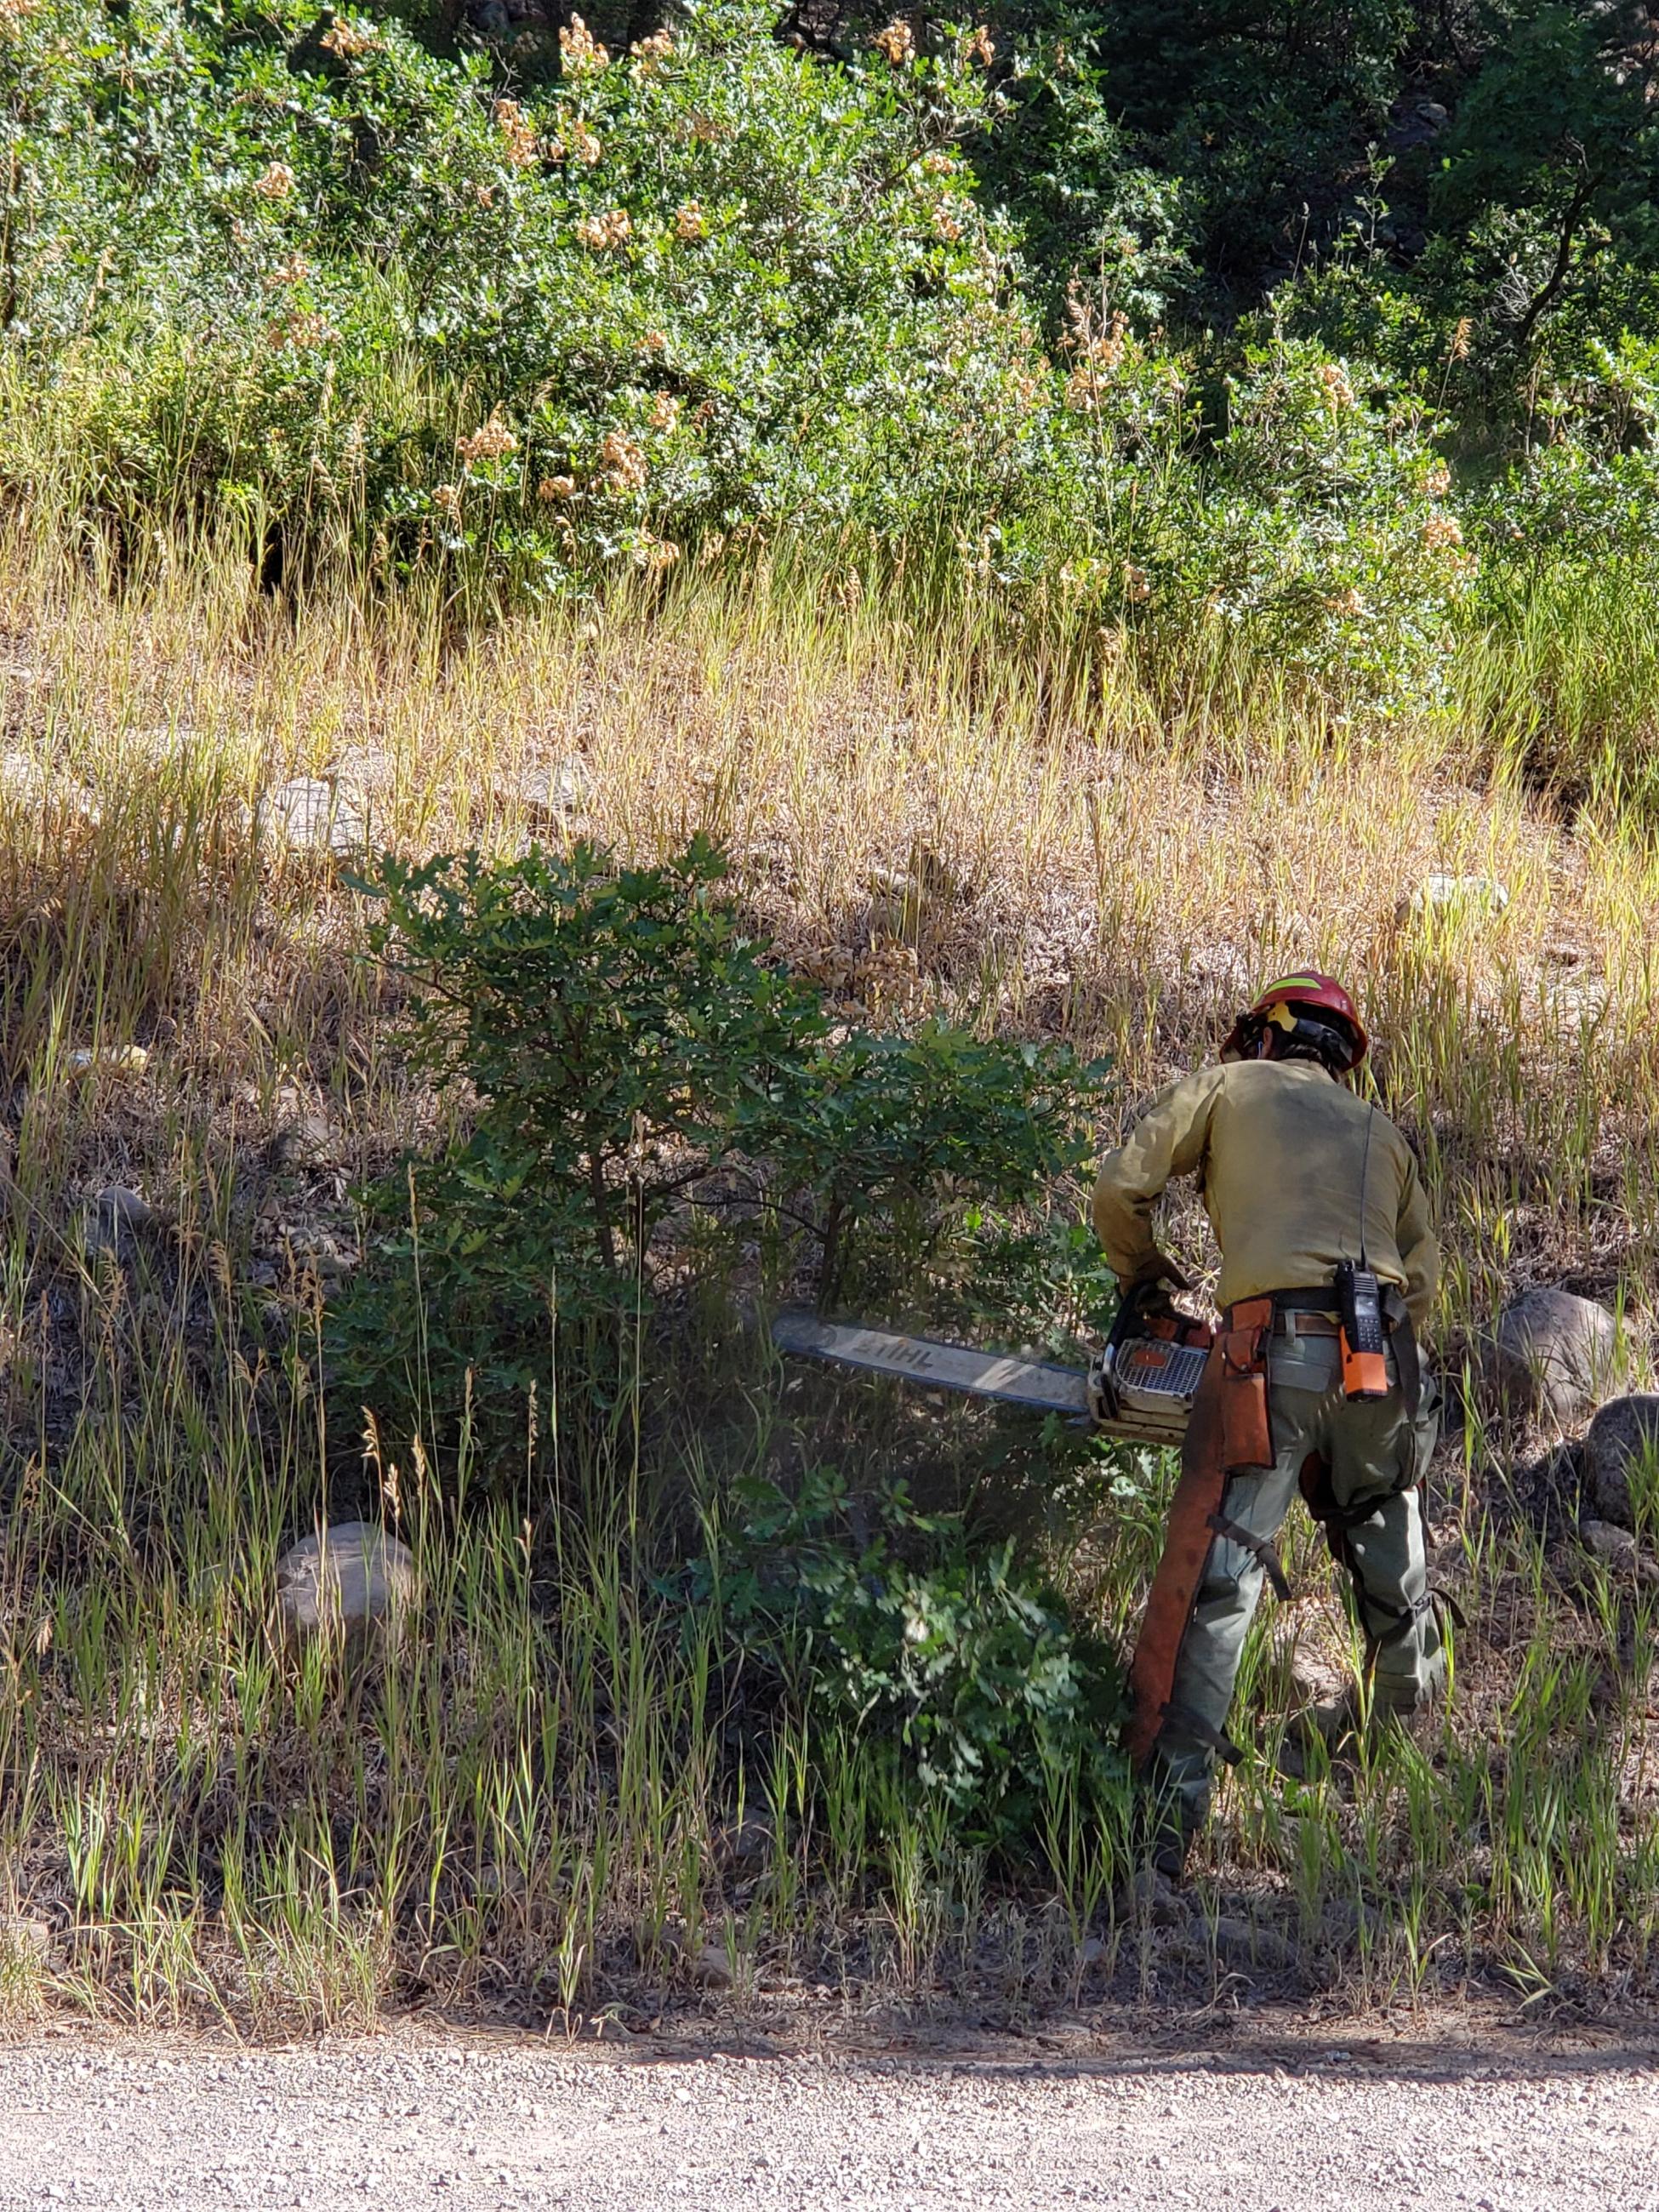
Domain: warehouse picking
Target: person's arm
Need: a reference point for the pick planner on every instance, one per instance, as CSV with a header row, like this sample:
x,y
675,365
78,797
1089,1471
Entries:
x,y
1420,1253
1169,1140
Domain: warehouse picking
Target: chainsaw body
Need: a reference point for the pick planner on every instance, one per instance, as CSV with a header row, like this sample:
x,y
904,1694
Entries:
x,y
1143,1384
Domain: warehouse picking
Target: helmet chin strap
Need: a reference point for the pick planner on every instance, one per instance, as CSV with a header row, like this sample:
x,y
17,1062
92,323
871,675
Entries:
x,y
1301,1038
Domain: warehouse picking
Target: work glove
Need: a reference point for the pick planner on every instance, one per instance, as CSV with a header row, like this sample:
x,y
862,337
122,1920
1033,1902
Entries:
x,y
1150,1285
1160,1268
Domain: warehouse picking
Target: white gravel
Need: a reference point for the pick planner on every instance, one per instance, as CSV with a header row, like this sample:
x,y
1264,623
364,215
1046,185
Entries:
x,y
403,2123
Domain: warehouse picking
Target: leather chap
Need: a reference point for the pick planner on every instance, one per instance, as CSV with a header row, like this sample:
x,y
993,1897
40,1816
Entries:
x,y
1229,1429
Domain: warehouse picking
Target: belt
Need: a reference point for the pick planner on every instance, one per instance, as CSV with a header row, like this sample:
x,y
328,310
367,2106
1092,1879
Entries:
x,y
1295,1323
1312,1313
1307,1313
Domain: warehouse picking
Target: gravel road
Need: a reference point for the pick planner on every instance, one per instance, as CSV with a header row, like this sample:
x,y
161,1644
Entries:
x,y
406,2123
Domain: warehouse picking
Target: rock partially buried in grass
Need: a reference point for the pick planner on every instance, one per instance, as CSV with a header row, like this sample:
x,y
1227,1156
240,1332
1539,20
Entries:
x,y
115,1218
350,1587
24,1938
1623,1435
711,1969
1552,1354
1460,894
1242,1944
1618,1549
310,815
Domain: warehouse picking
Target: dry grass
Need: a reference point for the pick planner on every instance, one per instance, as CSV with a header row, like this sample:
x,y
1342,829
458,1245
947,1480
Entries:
x,y
922,825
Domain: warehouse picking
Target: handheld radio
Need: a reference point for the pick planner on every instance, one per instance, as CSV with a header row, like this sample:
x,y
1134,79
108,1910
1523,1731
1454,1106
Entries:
x,y
1363,1340
1365,1347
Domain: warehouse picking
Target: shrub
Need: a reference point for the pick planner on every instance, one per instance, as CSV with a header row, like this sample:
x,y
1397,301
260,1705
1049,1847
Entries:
x,y
965,1666
294,279
648,1087
1327,546
272,258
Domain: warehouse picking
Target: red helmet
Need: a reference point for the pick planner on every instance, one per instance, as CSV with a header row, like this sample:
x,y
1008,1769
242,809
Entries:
x,y
1279,1004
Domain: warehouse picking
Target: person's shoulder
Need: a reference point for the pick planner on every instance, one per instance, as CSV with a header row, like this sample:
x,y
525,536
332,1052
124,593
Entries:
x,y
1251,1081
1201,1084
1247,1079
1184,1095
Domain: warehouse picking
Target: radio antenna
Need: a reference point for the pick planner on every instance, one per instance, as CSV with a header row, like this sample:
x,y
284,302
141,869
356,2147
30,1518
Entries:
x,y
1365,1172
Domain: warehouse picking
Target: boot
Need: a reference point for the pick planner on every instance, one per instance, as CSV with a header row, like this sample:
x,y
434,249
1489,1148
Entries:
x,y
1161,1843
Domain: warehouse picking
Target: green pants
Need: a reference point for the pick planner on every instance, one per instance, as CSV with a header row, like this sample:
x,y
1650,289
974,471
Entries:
x,y
1374,1451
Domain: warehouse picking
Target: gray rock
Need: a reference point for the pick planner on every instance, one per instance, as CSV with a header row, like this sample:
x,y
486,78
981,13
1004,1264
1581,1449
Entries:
x,y
312,815
114,1218
1623,1435
304,1141
1618,1549
1244,1944
548,795
712,1969
1463,895
23,1937
1553,1355
346,1586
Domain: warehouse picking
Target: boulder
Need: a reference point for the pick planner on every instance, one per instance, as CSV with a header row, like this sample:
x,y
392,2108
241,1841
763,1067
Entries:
x,y
1553,1355
24,1938
1618,1549
1460,894
547,797
312,815
114,1220
348,1585
1623,1434
304,1141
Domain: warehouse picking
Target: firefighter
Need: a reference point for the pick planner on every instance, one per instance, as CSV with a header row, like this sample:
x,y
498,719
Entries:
x,y
1299,1175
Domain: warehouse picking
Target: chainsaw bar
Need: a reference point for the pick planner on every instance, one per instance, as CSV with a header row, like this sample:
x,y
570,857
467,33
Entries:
x,y
938,1366
1141,1390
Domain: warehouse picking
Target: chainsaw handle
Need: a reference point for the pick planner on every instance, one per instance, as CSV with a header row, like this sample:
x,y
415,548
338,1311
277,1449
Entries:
x,y
1146,1296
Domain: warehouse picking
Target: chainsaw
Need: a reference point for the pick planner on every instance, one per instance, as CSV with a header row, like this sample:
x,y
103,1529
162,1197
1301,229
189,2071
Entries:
x,y
1139,1387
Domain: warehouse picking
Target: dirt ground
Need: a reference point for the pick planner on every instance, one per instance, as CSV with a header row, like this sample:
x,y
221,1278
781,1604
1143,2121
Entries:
x,y
1494,2120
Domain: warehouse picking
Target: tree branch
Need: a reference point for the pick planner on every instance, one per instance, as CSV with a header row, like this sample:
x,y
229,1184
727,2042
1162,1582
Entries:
x,y
1558,275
